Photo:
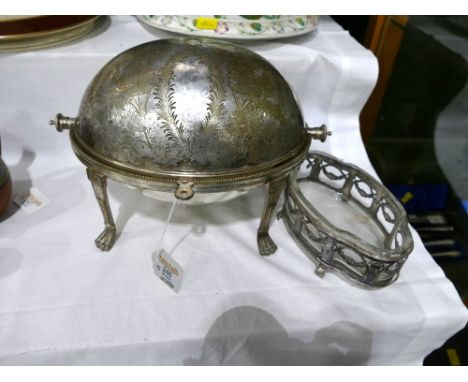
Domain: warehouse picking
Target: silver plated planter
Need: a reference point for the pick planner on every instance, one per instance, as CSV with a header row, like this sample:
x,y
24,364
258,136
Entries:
x,y
347,221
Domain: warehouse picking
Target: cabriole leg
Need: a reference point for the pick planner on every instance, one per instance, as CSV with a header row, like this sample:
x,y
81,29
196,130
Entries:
x,y
266,245
106,239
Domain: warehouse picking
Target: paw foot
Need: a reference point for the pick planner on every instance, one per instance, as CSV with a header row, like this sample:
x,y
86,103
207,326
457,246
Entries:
x,y
266,246
106,239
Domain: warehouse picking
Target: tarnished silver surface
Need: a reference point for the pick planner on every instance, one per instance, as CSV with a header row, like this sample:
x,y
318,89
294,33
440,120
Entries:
x,y
362,233
190,116
190,104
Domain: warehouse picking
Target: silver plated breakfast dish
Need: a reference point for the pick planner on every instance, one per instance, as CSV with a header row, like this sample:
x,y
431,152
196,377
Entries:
x,y
189,117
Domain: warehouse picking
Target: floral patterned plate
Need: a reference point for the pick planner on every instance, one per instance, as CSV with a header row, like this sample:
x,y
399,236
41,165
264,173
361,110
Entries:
x,y
235,27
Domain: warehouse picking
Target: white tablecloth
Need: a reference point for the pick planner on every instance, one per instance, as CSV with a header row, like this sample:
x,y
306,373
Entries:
x,y
62,301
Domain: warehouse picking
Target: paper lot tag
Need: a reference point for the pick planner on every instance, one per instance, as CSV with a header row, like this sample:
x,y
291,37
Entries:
x,y
31,200
167,269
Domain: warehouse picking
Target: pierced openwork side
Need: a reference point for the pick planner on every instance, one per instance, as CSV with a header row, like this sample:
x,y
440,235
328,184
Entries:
x,y
335,249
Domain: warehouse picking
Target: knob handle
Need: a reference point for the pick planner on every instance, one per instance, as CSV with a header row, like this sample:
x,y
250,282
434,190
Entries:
x,y
63,123
321,133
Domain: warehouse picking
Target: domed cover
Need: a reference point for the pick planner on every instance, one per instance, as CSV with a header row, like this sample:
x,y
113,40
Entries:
x,y
191,105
